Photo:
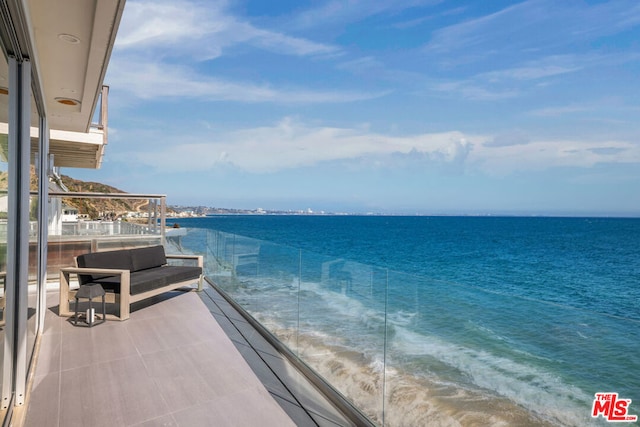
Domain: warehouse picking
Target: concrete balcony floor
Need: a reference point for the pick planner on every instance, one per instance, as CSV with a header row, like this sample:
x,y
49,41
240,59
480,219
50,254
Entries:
x,y
183,359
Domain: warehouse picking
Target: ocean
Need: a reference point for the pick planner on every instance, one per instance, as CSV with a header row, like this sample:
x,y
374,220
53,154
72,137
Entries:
x,y
477,320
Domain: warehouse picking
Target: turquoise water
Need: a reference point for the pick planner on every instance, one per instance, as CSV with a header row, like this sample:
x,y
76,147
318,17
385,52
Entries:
x,y
539,312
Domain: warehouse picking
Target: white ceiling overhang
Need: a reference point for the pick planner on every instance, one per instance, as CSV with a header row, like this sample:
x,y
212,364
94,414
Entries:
x,y
73,44
69,149
75,149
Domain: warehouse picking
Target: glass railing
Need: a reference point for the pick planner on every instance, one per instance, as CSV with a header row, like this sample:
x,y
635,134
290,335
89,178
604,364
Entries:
x,y
410,350
105,228
116,221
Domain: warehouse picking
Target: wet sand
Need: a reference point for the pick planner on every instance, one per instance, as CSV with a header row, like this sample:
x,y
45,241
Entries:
x,y
410,400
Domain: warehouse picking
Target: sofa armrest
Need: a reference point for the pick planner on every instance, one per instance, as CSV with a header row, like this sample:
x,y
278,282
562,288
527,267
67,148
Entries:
x,y
66,272
200,261
197,258
92,270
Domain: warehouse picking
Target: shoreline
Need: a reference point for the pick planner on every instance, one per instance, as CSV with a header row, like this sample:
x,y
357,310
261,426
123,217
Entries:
x,y
410,400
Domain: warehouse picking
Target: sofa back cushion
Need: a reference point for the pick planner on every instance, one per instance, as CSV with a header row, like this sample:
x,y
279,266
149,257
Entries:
x,y
120,260
148,257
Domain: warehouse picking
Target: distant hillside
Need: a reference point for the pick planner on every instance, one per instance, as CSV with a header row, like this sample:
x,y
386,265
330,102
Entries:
x,y
93,208
33,182
100,208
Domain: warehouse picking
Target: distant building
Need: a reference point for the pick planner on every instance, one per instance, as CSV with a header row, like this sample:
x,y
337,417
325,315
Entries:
x,y
69,214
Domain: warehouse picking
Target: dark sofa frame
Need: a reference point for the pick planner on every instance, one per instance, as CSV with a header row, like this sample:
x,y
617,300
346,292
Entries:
x,y
128,276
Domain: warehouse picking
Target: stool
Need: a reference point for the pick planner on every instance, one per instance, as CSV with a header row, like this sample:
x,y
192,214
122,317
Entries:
x,y
90,291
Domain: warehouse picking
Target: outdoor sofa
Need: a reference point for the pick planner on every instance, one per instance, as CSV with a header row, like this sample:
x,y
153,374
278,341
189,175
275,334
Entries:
x,y
129,275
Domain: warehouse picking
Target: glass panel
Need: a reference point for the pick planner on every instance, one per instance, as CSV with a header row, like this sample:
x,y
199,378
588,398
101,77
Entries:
x,y
264,279
330,312
4,174
32,295
271,284
342,327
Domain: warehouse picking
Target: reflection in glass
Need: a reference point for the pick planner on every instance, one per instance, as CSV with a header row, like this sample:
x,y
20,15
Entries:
x,y
32,295
4,175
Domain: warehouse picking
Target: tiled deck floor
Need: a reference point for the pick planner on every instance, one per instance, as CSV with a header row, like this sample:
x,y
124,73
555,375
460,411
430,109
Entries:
x,y
304,404
170,364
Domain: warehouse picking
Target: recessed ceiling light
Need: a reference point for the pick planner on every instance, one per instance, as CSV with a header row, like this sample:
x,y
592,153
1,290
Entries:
x,y
69,38
67,101
4,90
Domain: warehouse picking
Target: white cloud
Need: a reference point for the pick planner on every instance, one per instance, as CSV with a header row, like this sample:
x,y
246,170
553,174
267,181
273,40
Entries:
x,y
292,144
154,23
560,111
536,24
555,65
517,80
540,155
529,73
176,28
150,80
161,43
338,12
474,90
506,139
361,65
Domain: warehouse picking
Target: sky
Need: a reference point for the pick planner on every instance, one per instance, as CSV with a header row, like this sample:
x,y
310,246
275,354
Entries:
x,y
387,106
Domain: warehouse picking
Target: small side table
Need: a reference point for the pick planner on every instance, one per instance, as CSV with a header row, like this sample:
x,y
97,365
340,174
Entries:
x,y
91,291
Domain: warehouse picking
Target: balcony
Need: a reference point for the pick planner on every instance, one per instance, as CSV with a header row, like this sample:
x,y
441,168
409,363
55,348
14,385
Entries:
x,y
184,358
351,328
